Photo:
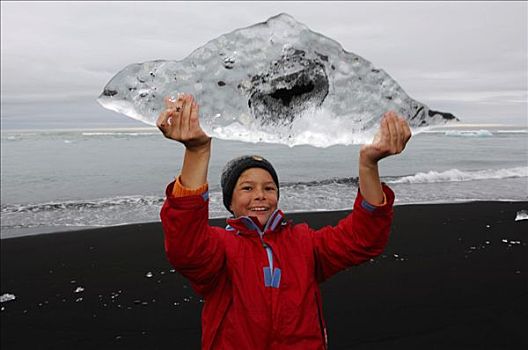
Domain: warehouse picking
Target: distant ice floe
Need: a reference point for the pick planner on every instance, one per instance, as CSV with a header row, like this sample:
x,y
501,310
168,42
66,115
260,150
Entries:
x,y
520,131
468,130
7,297
124,134
469,133
453,175
275,82
522,215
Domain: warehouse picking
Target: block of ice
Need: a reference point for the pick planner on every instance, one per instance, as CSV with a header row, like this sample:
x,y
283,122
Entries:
x,y
7,297
275,81
522,215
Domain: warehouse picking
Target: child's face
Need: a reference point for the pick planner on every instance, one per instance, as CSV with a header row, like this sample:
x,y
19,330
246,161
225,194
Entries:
x,y
255,194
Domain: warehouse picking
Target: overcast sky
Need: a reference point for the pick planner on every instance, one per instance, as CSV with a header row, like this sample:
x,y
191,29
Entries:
x,y
467,58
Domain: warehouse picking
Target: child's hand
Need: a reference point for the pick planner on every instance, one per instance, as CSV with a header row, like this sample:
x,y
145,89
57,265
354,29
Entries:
x,y
180,122
391,138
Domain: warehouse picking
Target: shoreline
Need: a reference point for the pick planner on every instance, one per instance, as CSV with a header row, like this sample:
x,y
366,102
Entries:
x,y
452,276
33,231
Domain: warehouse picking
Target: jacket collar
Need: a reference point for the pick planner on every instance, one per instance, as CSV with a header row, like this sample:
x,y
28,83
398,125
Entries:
x,y
250,223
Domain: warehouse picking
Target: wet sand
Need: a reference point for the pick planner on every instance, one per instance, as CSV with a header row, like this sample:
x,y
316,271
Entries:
x,y
453,276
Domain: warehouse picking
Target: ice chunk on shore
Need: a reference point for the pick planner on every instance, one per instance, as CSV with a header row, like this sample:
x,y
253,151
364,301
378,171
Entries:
x,y
522,215
7,297
275,81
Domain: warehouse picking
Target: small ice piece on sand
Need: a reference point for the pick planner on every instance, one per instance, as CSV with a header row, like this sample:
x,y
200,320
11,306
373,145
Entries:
x,y
522,215
7,297
148,275
79,290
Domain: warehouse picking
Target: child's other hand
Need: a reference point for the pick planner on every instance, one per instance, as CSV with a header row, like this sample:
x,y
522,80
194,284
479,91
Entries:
x,y
391,138
180,122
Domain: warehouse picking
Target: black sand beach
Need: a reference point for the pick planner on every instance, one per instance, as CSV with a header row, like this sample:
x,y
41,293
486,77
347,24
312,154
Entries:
x,y
454,276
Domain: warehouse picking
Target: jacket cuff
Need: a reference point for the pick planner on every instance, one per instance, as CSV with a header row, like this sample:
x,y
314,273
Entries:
x,y
181,191
186,200
362,204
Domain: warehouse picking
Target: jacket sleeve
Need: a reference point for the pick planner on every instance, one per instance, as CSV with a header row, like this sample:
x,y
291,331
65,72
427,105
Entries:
x,y
192,246
358,237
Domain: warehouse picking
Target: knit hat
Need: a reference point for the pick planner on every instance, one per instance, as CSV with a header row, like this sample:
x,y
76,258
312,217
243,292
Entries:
x,y
235,167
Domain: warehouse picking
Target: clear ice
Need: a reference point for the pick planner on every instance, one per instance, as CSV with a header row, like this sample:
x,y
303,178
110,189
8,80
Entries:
x,y
522,215
7,297
276,82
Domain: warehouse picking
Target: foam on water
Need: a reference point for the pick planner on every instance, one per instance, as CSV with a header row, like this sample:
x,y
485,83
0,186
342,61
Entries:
x,y
512,131
458,175
276,82
469,133
56,216
110,133
317,195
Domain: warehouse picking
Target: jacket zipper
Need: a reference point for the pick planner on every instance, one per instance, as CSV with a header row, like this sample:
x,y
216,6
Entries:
x,y
321,323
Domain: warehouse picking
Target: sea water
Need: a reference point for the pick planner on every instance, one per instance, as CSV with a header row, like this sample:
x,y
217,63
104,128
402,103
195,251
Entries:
x,y
56,180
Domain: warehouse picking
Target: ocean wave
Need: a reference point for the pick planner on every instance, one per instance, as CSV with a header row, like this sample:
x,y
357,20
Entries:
x,y
455,175
115,133
325,182
469,133
512,131
475,132
330,187
82,205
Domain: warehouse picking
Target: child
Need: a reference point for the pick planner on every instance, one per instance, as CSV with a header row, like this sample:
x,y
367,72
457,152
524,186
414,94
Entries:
x,y
260,275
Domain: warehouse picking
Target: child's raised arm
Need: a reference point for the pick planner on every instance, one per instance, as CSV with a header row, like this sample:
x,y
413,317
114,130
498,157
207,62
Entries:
x,y
180,122
392,136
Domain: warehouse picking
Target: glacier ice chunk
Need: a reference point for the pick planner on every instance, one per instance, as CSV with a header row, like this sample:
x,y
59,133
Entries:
x,y
7,297
275,81
521,215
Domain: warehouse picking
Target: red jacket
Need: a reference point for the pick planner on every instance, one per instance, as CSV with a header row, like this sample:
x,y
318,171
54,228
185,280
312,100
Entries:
x,y
262,291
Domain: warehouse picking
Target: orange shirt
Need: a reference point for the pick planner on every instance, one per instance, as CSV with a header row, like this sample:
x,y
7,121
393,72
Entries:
x,y
181,191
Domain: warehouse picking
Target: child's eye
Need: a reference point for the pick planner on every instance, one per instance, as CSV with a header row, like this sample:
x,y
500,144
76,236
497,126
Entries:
x,y
271,188
246,188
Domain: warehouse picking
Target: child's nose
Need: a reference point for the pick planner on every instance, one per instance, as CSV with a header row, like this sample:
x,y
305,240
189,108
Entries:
x,y
260,194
